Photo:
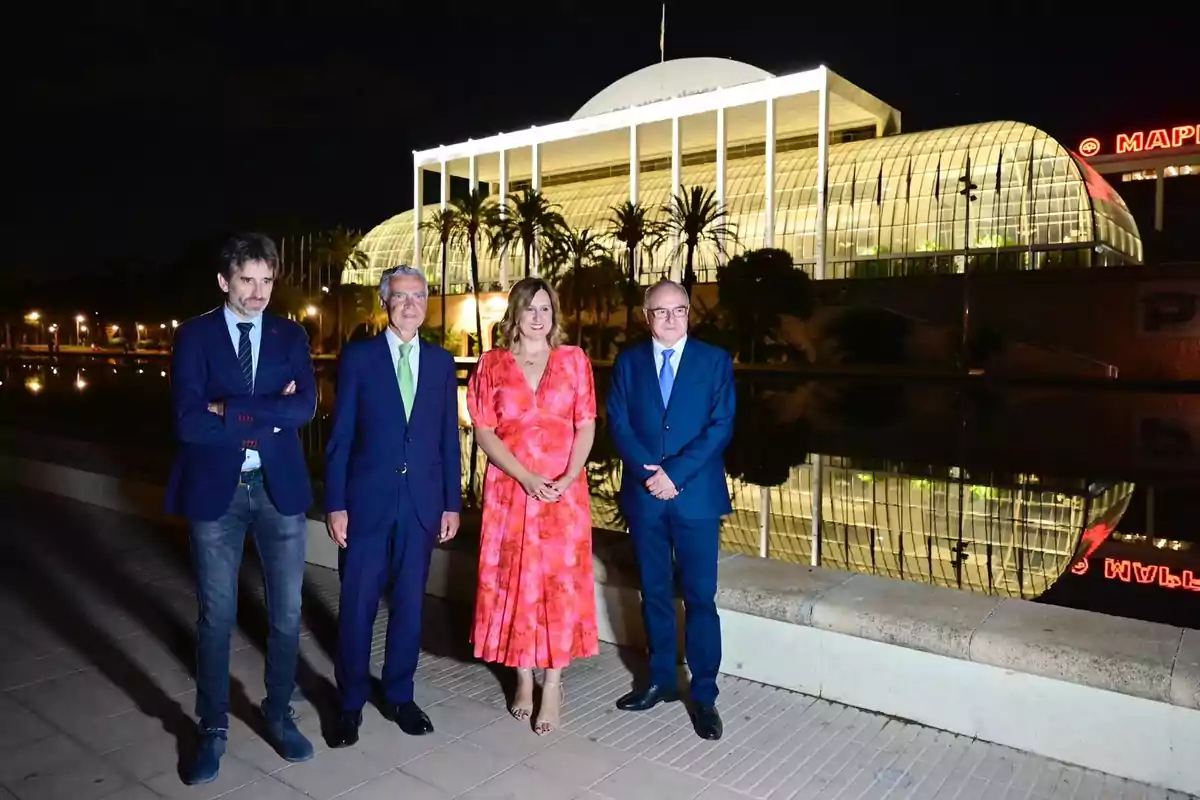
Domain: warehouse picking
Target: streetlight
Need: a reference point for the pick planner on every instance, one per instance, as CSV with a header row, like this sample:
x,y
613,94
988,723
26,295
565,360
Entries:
x,y
137,341
35,318
315,311
79,327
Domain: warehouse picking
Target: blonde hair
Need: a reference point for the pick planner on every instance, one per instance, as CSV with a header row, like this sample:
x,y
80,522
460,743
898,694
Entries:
x,y
520,297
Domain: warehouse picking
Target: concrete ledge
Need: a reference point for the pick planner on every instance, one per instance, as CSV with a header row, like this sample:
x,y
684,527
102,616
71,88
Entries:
x,y
1107,693
1121,655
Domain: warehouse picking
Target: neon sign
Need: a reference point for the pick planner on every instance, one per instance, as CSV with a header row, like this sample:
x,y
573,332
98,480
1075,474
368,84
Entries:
x,y
1127,571
1144,141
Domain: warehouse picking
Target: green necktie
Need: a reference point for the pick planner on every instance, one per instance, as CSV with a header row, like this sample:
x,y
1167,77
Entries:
x,y
405,376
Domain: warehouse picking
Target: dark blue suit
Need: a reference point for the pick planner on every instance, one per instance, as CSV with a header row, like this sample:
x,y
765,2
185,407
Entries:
x,y
204,368
687,439
394,478
224,494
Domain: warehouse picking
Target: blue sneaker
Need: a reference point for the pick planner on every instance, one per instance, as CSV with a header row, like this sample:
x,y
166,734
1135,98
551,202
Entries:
x,y
207,763
286,738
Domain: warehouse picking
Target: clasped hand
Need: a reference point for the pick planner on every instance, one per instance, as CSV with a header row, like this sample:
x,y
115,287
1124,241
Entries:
x,y
218,406
660,484
544,489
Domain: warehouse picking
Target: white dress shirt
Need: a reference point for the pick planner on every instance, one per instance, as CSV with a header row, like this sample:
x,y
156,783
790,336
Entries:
x,y
252,461
676,354
414,357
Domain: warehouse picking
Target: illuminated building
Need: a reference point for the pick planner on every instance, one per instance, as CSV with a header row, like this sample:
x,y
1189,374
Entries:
x,y
894,206
1154,155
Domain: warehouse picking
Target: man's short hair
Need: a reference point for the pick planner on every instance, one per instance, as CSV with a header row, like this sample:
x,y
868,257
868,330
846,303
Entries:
x,y
385,279
242,248
662,284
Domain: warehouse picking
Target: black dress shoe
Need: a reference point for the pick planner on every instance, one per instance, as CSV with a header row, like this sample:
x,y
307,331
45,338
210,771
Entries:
x,y
345,732
412,720
647,698
707,723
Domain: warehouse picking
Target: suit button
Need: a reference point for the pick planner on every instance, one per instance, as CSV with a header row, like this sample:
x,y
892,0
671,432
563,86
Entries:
x,y
408,439
404,470
666,427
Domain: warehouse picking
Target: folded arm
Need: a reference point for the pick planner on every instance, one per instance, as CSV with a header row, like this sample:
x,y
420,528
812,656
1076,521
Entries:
x,y
713,440
288,412
341,436
194,423
634,455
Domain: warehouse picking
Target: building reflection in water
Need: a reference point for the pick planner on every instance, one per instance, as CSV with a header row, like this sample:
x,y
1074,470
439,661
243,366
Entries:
x,y
1008,534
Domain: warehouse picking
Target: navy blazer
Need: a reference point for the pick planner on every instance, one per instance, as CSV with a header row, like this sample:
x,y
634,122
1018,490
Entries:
x,y
205,369
687,438
376,459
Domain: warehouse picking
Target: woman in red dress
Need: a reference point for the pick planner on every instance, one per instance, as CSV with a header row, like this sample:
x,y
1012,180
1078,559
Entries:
x,y
533,405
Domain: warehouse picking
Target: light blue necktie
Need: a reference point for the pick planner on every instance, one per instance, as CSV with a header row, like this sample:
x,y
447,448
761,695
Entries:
x,y
666,377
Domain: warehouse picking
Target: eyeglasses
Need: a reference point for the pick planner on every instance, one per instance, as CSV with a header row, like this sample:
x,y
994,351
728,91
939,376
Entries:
x,y
679,312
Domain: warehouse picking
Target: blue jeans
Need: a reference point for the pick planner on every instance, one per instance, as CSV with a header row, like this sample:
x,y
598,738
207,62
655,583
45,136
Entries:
x,y
217,558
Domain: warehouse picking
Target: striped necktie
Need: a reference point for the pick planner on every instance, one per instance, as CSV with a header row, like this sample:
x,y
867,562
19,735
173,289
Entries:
x,y
246,354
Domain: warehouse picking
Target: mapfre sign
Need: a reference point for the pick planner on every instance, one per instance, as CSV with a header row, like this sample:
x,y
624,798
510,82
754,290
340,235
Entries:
x,y
1144,141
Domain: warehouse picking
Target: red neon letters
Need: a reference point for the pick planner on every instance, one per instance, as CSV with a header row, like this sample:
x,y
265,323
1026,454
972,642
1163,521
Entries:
x,y
1142,141
1126,571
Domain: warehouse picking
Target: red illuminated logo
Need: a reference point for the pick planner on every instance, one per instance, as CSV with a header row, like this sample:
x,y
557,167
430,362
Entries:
x,y
1126,571
1145,141
1089,147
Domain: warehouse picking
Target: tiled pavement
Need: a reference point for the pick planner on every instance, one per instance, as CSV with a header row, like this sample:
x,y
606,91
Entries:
x,y
95,641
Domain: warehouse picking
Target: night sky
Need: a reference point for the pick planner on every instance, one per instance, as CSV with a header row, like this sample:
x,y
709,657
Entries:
x,y
144,127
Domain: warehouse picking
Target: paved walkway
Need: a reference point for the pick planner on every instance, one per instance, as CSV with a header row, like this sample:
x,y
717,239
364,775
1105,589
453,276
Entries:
x,y
96,613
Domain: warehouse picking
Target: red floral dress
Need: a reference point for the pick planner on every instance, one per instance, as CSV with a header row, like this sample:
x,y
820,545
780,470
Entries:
x,y
536,601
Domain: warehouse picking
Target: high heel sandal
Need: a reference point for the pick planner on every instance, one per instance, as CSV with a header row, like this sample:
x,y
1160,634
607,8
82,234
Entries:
x,y
522,711
545,723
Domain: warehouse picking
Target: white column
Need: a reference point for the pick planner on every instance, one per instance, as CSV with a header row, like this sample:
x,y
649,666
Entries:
x,y
443,204
503,200
817,486
764,522
418,177
721,158
472,174
822,170
769,178
1158,200
635,165
536,182
635,152
676,188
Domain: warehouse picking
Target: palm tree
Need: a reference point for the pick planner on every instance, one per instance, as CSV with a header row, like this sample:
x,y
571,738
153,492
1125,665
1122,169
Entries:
x,y
530,219
631,226
574,249
578,250
694,217
441,224
336,251
474,216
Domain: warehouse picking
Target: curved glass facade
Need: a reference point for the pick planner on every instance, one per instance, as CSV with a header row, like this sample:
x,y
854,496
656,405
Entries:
x,y
895,207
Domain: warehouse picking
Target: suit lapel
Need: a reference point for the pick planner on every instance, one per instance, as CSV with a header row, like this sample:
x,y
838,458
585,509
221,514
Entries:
x,y
225,352
425,379
649,372
270,347
685,369
383,361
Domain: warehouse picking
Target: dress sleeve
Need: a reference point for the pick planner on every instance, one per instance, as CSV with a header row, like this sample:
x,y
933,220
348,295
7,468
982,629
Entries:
x,y
481,394
585,389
